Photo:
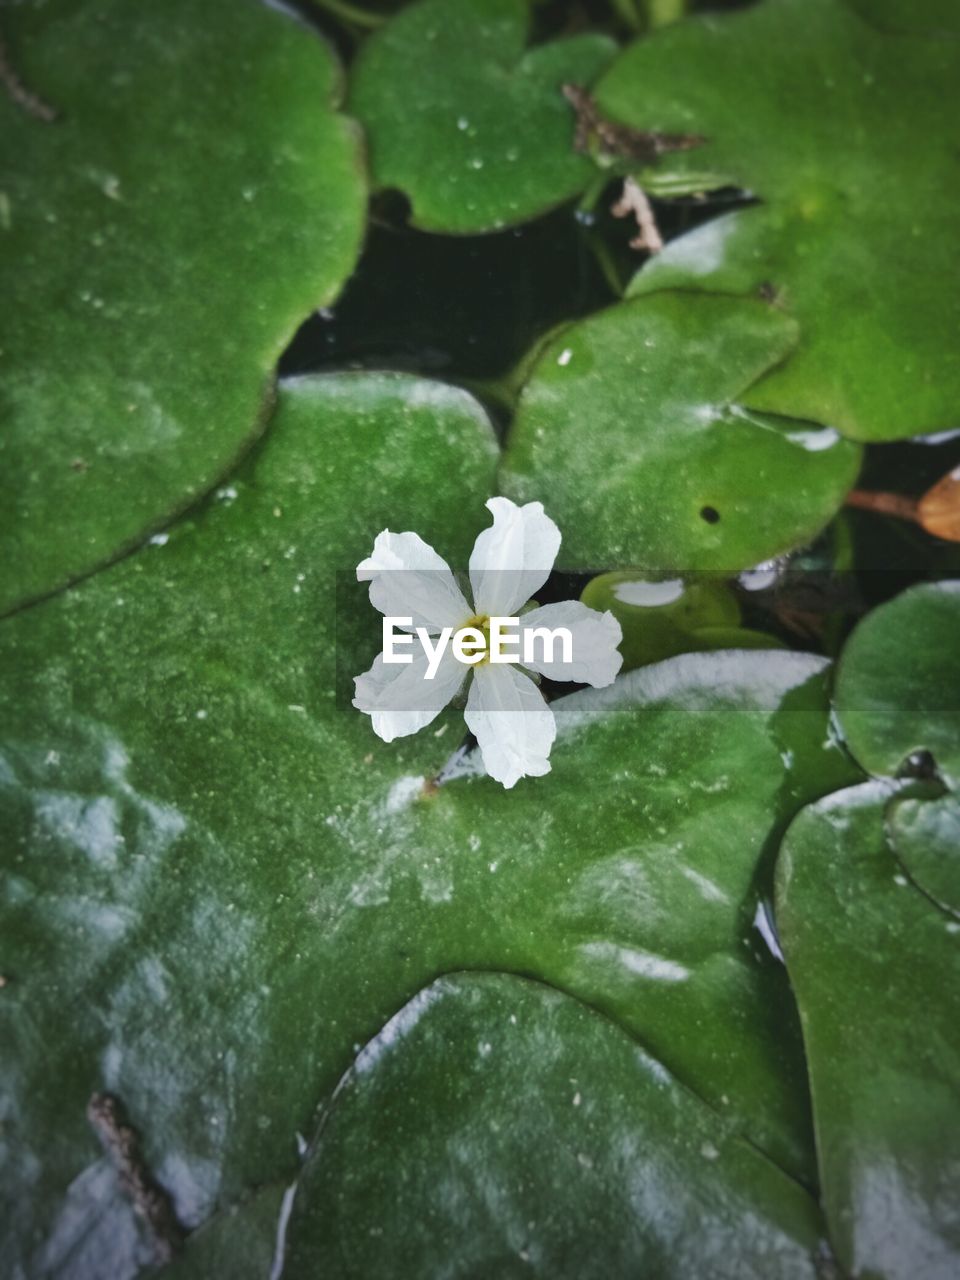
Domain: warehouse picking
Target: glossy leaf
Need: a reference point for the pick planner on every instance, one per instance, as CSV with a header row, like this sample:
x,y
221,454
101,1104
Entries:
x,y
811,108
195,199
219,882
657,617
241,1242
676,475
924,833
469,125
875,967
898,685
497,1127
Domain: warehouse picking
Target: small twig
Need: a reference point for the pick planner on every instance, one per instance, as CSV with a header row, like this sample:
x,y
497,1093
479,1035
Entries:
x,y
18,92
886,504
151,1202
634,200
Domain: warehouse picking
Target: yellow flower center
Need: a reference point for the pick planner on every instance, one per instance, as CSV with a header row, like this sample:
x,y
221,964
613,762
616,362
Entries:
x,y
481,621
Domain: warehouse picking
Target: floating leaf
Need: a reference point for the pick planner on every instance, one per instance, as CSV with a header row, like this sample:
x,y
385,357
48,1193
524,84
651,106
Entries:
x,y
196,197
239,1243
473,128
925,836
657,616
197,836
898,685
675,474
814,110
875,967
498,1128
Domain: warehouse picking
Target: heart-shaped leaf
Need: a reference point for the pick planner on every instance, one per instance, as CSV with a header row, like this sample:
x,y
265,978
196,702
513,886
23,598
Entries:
x,y
498,1128
470,126
875,966
196,197
812,108
898,685
199,838
674,473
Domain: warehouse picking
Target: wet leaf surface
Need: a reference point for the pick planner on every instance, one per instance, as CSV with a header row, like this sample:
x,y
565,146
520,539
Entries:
x,y
675,474
219,883
658,617
464,120
497,1127
195,198
898,683
813,110
875,967
924,833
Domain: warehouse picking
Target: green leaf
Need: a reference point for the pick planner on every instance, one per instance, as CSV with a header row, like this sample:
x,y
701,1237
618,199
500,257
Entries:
x,y
195,199
240,1243
813,109
657,617
925,836
197,838
473,128
674,474
498,1128
898,685
927,17
875,967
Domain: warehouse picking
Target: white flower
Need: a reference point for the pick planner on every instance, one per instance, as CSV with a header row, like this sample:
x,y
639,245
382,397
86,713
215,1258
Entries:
x,y
510,561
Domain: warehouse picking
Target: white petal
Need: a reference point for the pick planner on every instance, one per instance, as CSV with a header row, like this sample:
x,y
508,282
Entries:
x,y
594,635
512,560
409,580
513,725
399,700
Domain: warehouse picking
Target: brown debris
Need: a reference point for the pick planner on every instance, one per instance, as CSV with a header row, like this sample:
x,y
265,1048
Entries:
x,y
939,508
612,139
122,1144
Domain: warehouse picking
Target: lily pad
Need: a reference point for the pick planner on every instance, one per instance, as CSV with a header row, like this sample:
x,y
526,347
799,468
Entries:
x,y
676,474
195,198
811,108
925,835
486,140
657,617
197,838
498,1128
875,966
898,684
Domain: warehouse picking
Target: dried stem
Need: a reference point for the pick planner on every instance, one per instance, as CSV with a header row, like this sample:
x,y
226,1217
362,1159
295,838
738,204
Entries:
x,y
151,1202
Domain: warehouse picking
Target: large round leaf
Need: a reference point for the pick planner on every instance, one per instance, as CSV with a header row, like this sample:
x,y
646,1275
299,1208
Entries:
x,y
197,836
898,686
813,109
632,430
486,138
875,966
498,1128
196,197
